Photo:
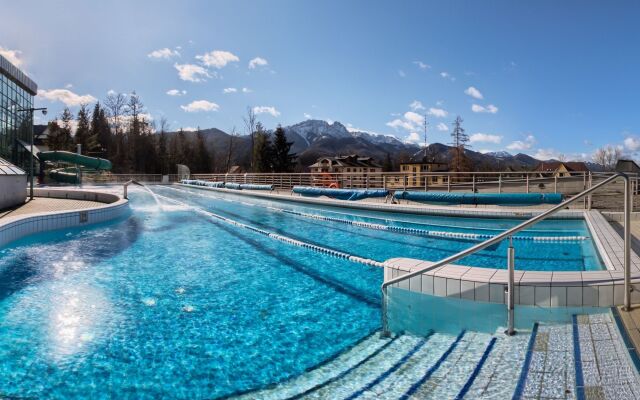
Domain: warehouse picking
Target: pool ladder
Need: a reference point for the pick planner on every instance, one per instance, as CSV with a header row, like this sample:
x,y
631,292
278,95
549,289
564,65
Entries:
x,y
508,234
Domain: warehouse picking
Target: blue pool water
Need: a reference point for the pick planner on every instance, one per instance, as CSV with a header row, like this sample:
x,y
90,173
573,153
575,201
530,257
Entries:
x,y
173,304
381,245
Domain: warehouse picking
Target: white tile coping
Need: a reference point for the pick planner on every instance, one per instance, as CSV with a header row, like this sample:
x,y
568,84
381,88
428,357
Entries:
x,y
429,209
13,228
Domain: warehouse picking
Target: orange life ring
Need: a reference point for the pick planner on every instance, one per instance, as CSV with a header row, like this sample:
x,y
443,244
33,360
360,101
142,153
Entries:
x,y
334,185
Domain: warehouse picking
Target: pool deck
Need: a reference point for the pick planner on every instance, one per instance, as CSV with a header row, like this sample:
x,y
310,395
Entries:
x,y
58,208
44,204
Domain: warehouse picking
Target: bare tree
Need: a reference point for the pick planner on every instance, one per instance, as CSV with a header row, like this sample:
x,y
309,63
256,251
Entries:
x,y
459,143
607,156
230,149
250,122
115,103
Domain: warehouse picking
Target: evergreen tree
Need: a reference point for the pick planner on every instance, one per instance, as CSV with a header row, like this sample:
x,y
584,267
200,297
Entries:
x,y
83,129
203,159
100,131
262,151
283,160
388,164
65,140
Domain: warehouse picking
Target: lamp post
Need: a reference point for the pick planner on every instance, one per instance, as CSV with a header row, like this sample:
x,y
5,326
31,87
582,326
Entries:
x,y
30,111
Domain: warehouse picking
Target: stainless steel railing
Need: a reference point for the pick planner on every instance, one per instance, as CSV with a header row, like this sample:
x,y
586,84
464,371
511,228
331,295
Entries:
x,y
509,233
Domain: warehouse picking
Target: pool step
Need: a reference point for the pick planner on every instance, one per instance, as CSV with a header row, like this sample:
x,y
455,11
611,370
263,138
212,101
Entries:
x,y
325,373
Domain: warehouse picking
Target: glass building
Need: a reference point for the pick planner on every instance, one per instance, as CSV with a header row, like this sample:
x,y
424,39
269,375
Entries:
x,y
16,93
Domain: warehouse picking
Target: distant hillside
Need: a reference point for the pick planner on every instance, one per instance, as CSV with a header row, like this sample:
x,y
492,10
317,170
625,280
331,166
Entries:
x,y
315,138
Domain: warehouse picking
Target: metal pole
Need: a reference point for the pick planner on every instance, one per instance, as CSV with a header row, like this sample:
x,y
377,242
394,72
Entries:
x,y
448,183
384,181
627,243
589,196
584,187
31,162
473,183
511,257
527,183
555,184
500,183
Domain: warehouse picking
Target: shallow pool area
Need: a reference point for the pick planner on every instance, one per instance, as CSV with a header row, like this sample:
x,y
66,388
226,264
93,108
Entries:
x,y
167,302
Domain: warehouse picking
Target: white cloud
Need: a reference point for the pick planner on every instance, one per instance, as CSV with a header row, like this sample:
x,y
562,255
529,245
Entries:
x,y
266,110
200,105
401,73
66,96
438,112
14,56
416,105
413,137
111,92
422,65
68,86
307,116
546,154
473,92
447,75
257,62
491,109
399,123
442,127
632,143
485,137
165,54
192,72
525,144
415,118
229,90
176,92
246,90
189,129
217,58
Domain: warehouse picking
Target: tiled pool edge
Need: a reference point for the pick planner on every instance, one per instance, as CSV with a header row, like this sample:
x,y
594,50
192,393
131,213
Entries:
x,y
532,288
14,228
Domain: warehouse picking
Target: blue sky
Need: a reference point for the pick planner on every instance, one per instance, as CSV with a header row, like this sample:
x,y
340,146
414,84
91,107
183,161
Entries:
x,y
547,77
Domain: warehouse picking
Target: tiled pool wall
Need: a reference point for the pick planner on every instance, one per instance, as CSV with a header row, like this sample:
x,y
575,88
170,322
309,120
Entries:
x,y
13,228
532,288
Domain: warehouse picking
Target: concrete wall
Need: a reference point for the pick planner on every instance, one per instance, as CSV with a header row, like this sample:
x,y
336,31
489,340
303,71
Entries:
x,y
13,190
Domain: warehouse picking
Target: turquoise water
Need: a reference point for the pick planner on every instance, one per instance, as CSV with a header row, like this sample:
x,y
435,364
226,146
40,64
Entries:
x,y
381,245
173,304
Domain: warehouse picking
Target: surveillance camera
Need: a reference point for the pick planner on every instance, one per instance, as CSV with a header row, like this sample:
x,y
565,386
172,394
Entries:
x,y
44,112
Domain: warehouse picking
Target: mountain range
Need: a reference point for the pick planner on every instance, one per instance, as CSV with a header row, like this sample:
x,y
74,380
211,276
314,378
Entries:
x,y
317,138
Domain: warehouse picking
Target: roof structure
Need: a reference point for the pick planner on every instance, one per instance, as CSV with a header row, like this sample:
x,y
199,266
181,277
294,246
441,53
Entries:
x,y
571,166
352,160
6,168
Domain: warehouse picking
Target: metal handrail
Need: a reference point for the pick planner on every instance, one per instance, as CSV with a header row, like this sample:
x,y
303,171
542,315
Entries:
x,y
510,232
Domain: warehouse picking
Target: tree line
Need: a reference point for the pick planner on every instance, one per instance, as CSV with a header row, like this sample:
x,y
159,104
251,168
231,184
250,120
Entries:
x,y
120,130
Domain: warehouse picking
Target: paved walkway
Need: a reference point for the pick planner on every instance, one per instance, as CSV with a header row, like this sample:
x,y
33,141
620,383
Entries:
x,y
44,204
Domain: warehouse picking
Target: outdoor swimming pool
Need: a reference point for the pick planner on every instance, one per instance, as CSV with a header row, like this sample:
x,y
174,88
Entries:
x,y
552,245
168,303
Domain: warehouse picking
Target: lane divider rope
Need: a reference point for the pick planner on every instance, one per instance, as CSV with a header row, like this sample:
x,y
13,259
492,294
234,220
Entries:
x,y
281,238
413,231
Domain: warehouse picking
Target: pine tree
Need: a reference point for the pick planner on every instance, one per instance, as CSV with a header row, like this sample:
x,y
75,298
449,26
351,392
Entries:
x,y
65,140
388,164
83,129
203,159
100,131
262,151
283,160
